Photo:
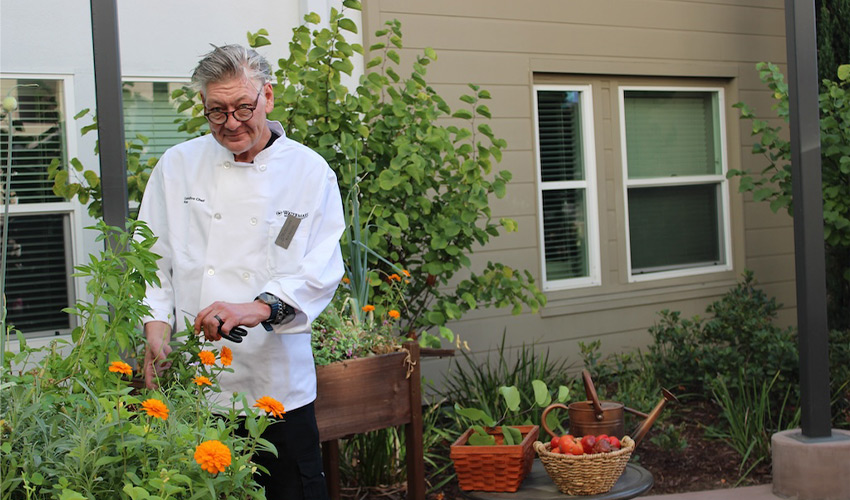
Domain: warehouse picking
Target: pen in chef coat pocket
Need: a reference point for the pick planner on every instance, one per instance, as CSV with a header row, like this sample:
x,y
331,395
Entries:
x,y
235,334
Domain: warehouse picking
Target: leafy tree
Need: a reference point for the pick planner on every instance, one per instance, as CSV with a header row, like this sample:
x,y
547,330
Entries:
x,y
773,183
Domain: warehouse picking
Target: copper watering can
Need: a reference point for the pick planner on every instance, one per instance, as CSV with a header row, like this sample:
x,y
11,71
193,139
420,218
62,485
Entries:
x,y
605,417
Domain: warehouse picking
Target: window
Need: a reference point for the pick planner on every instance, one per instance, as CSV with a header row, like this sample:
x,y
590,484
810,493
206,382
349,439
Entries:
x,y
150,111
674,165
567,189
38,253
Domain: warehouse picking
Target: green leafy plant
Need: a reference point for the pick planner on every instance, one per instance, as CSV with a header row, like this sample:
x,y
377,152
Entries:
x,y
753,416
512,400
75,427
481,385
773,183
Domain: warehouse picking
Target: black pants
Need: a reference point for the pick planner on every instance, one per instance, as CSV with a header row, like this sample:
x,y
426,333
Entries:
x,y
296,473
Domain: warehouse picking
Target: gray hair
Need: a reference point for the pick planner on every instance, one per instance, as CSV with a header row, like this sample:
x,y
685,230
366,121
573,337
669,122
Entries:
x,y
230,61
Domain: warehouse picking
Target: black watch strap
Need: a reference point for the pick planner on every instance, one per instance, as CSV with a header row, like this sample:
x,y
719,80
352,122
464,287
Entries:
x,y
281,312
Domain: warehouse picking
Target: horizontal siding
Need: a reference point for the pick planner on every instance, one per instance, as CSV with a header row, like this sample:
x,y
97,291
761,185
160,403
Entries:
x,y
506,47
764,18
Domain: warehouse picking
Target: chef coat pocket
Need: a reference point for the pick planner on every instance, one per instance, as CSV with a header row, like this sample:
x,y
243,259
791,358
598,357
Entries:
x,y
285,244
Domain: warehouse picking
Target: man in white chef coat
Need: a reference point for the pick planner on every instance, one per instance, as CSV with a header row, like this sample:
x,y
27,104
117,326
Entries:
x,y
249,225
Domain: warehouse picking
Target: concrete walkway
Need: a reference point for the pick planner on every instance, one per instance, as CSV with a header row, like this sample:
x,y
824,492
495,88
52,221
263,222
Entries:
x,y
761,492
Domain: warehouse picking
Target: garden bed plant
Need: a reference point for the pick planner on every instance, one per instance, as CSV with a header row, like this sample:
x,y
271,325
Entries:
x,y
73,426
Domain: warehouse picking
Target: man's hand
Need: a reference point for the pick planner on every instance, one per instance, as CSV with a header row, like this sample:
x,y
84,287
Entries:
x,y
228,315
158,336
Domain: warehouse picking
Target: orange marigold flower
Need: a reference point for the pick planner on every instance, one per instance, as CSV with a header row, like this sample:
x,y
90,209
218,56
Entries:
x,y
406,272
394,314
155,408
120,367
395,276
207,357
368,308
226,356
213,456
270,405
346,280
202,381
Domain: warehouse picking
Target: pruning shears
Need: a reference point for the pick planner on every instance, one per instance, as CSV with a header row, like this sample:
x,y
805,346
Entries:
x,y
235,334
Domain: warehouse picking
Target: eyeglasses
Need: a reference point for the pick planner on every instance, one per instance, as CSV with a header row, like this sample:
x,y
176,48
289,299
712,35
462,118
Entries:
x,y
242,113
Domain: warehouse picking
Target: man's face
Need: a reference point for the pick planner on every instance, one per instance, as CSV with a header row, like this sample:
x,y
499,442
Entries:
x,y
243,139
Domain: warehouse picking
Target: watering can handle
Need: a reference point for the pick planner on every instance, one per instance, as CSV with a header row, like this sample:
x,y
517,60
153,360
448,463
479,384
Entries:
x,y
590,390
546,412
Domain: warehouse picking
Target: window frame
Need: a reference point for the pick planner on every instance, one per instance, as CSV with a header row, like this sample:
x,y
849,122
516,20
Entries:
x,y
74,242
594,277
724,218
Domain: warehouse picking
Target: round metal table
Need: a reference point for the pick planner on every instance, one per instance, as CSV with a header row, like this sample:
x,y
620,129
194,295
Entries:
x,y
634,482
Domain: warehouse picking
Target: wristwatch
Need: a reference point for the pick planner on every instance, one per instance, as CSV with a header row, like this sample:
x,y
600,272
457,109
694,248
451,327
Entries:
x,y
281,312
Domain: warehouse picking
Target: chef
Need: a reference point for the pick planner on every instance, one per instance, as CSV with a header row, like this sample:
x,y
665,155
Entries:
x,y
248,223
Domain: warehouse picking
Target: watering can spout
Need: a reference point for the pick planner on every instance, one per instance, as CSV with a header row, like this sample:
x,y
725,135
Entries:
x,y
650,419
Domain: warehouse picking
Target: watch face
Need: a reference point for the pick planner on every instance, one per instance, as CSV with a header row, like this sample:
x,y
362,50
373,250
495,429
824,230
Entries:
x,y
267,298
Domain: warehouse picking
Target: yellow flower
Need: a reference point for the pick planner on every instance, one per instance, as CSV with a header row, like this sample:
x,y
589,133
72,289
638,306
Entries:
x,y
394,314
120,367
213,456
155,408
226,356
202,381
368,308
270,405
207,357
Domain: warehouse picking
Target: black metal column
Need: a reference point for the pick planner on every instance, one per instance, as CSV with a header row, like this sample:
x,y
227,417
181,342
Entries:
x,y
808,217
110,114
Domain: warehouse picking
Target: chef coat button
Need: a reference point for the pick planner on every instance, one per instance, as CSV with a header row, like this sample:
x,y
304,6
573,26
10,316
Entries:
x,y
217,216
227,164
246,276
262,168
253,221
211,271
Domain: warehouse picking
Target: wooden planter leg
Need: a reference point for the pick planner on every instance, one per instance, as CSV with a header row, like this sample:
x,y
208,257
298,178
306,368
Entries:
x,y
413,432
330,461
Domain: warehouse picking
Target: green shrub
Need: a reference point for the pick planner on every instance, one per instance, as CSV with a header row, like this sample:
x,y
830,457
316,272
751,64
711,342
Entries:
x,y
739,336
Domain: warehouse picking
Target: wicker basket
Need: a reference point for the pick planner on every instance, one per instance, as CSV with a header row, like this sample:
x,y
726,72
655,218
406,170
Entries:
x,y
589,474
494,468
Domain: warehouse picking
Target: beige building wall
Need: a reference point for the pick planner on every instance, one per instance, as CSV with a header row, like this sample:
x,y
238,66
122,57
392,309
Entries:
x,y
507,47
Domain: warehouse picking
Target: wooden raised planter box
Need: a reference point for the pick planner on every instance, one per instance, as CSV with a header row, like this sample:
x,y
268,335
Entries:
x,y
367,394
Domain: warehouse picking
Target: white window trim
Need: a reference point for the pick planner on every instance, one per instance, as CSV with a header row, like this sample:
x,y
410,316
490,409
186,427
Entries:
x,y
720,179
589,185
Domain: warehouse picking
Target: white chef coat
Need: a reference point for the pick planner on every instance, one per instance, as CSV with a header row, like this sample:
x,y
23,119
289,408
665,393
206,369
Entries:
x,y
217,221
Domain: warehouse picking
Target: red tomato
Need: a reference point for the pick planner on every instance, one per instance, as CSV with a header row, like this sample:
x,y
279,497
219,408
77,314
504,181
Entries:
x,y
576,448
564,443
587,443
615,443
554,444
